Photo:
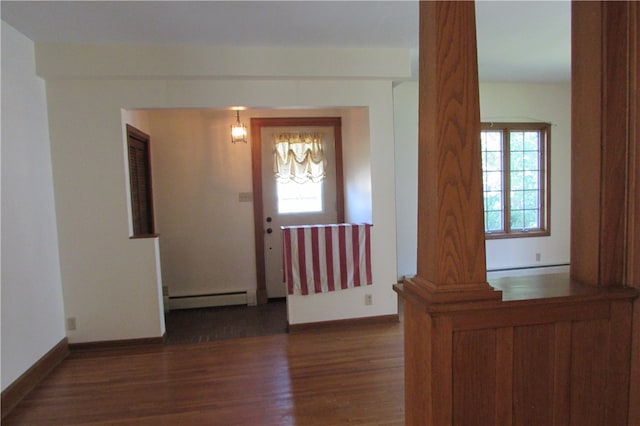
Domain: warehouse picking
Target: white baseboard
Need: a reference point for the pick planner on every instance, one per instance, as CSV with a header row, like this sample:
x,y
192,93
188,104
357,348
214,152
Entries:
x,y
209,300
536,270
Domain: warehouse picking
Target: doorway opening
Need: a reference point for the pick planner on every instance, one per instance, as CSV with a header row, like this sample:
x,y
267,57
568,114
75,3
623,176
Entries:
x,y
288,202
204,203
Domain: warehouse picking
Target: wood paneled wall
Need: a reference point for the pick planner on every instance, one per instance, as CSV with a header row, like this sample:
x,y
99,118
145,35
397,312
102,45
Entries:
x,y
605,200
601,127
633,248
550,350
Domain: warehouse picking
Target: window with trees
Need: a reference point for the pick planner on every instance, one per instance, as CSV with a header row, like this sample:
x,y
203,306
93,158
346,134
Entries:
x,y
515,175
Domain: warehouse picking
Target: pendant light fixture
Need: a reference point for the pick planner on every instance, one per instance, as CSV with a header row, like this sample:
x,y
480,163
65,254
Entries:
x,y
238,130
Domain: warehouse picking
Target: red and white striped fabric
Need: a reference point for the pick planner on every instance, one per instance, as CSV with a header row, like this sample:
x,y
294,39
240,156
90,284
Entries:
x,y
323,258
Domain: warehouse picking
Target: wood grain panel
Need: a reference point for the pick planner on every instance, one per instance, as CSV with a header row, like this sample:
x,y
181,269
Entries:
x,y
633,270
474,377
586,129
504,376
633,255
533,377
428,346
633,258
617,397
562,373
634,377
520,315
557,361
441,371
450,211
417,355
589,362
613,188
634,385
601,128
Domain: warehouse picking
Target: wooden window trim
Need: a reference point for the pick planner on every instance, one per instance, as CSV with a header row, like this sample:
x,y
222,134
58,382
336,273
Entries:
x,y
134,134
544,178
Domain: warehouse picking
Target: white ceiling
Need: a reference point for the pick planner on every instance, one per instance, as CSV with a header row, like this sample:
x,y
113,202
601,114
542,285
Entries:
x,y
517,40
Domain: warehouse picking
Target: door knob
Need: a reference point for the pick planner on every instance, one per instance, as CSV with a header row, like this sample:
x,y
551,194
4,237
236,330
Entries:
x,y
269,230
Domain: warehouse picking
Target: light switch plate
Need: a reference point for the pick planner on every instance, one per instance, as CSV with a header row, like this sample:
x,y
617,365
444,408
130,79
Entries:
x,y
245,197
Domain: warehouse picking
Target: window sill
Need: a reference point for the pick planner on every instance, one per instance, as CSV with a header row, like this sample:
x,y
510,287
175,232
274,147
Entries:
x,y
507,235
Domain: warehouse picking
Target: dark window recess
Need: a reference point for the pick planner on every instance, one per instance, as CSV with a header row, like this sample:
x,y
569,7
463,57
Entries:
x,y
140,182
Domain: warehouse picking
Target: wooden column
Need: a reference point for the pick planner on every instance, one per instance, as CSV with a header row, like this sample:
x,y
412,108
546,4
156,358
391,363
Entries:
x,y
632,275
633,271
451,247
547,350
451,250
601,144
605,200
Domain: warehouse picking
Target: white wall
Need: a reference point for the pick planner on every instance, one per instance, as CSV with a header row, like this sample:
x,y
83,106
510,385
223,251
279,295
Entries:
x,y
549,103
356,150
32,309
140,120
498,102
166,62
206,234
111,282
405,113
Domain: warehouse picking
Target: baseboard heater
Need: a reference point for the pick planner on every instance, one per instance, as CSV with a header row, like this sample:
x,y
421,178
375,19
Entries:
x,y
209,300
528,270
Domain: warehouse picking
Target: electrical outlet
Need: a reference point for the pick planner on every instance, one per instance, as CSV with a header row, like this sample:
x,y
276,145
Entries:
x,y
538,257
368,299
70,323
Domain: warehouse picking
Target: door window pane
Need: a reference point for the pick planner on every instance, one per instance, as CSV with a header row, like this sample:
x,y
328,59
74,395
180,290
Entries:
x,y
296,197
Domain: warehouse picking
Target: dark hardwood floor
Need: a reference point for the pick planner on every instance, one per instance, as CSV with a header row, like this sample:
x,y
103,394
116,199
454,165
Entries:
x,y
226,322
350,375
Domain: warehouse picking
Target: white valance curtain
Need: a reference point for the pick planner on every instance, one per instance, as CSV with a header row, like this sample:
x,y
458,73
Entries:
x,y
299,157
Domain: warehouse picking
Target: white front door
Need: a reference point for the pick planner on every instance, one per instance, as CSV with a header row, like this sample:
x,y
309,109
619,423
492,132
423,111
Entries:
x,y
293,204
